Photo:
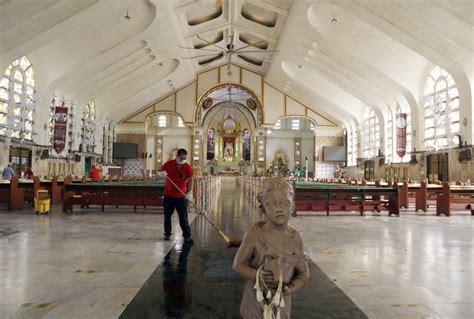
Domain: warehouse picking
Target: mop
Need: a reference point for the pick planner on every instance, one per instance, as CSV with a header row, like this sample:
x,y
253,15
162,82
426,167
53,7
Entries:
x,y
230,243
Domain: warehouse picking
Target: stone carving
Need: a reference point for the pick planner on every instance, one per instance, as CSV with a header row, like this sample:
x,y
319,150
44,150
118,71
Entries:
x,y
271,258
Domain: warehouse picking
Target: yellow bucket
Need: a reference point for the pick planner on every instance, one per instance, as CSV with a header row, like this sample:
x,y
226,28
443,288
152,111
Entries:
x,y
42,202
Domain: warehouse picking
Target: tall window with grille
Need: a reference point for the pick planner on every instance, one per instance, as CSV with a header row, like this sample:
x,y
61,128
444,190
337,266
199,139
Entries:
x,y
352,147
162,121
405,108
389,143
371,134
88,128
441,110
17,100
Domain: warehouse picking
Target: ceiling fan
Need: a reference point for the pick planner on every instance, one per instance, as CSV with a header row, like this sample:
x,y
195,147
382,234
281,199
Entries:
x,y
228,52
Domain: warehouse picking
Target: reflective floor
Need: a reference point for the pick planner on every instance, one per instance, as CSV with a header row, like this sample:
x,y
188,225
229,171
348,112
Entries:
x,y
105,265
198,281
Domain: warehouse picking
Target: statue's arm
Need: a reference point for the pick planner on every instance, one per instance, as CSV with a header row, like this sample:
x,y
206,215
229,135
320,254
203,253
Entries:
x,y
243,256
301,270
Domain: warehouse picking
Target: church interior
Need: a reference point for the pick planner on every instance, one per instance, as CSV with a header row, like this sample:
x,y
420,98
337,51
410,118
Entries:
x,y
364,107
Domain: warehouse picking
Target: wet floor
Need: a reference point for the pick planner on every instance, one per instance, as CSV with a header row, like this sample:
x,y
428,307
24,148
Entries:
x,y
198,281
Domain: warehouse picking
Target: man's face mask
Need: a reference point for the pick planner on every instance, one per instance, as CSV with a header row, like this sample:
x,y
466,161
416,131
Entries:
x,y
180,161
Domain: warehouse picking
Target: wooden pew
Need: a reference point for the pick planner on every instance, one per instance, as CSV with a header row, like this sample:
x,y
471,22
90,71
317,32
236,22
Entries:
x,y
112,195
333,198
449,196
56,190
12,194
31,190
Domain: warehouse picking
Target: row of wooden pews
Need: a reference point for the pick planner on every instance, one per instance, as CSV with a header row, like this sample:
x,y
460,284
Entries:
x,y
445,197
361,195
113,191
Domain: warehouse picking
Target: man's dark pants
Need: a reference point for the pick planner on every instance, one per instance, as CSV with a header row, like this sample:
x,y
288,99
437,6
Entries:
x,y
181,205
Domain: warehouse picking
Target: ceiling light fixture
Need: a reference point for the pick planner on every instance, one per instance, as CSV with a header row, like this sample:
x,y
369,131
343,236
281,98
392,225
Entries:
x,y
127,17
334,20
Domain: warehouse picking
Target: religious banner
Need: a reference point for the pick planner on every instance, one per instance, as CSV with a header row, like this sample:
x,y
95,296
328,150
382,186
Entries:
x,y
401,124
60,128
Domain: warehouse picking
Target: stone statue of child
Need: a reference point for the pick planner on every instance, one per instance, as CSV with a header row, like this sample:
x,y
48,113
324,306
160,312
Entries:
x,y
271,250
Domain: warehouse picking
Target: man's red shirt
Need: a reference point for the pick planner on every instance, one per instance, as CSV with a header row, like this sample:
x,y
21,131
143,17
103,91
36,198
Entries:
x,y
179,175
94,174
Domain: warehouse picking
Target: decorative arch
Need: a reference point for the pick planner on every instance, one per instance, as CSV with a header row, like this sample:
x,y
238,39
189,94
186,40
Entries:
x,y
205,102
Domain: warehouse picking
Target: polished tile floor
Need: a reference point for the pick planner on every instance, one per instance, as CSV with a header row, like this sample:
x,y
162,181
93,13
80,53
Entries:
x,y
92,264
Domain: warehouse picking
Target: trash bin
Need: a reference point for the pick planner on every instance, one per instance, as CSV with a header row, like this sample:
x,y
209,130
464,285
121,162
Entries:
x,y
42,202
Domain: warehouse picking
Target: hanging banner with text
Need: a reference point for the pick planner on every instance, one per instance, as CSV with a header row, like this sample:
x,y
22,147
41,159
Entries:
x,y
401,124
60,128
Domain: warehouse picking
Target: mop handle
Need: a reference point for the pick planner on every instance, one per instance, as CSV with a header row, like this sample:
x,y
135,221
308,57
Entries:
x,y
199,211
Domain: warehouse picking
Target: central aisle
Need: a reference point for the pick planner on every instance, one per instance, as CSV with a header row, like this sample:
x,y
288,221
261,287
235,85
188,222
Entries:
x,y
198,281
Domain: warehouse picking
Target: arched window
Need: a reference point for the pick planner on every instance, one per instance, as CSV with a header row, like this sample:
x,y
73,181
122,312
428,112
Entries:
x,y
389,142
180,122
162,121
352,146
88,128
277,125
246,145
441,108
211,143
295,124
371,134
17,103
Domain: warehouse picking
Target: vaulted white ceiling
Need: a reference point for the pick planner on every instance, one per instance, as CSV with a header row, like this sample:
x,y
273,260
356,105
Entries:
x,y
376,54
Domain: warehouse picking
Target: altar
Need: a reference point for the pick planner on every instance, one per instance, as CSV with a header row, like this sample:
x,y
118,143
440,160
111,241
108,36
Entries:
x,y
228,144
229,171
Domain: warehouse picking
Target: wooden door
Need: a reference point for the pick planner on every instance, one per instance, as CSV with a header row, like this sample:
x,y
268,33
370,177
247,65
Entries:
x,y
438,168
369,172
20,159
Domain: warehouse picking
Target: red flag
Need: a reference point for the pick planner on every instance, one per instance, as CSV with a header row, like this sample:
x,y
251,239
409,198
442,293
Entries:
x,y
60,128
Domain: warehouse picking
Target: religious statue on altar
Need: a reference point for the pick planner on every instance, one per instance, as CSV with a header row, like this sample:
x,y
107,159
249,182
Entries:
x,y
229,152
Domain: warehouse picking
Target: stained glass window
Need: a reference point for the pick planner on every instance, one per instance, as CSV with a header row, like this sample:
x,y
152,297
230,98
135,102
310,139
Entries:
x,y
246,145
17,102
441,110
211,143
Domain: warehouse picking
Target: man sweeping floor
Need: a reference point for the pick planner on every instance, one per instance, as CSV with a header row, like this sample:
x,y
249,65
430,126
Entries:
x,y
180,173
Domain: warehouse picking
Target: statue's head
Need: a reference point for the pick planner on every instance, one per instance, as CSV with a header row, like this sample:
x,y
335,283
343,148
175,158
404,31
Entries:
x,y
276,200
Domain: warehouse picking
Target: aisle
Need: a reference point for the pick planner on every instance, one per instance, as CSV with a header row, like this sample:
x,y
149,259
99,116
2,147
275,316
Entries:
x,y
198,281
